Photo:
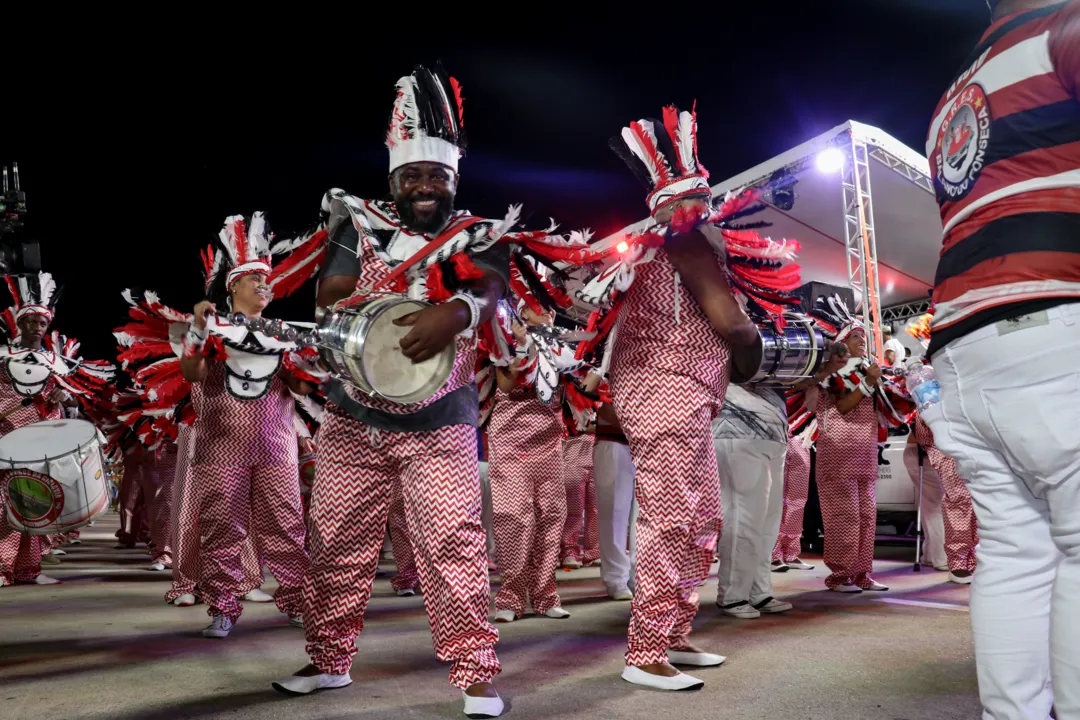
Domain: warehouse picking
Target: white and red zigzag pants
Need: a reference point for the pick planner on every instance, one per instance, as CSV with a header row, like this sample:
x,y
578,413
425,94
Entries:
x,y
357,469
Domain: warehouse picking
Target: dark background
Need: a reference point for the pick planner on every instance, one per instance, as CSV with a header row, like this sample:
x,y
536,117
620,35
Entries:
x,y
136,135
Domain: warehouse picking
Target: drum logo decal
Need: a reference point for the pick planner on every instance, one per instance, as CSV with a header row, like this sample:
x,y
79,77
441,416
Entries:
x,y
35,500
960,153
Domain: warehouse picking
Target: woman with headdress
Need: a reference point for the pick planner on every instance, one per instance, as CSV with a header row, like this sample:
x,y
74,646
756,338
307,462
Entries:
x,y
39,377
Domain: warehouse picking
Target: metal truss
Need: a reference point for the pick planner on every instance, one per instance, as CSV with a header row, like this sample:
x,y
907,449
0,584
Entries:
x,y
860,241
903,169
897,313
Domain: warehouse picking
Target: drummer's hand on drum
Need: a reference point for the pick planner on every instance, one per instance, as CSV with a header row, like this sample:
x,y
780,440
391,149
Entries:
x,y
433,328
202,312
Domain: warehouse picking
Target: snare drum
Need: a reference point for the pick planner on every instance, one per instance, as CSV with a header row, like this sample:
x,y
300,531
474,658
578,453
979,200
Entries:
x,y
780,359
361,345
53,475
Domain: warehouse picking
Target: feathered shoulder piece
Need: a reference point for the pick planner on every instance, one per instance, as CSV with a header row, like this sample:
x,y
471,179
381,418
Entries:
x,y
87,380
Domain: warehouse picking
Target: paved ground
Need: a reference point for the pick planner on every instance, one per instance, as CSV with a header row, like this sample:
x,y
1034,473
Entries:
x,y
104,645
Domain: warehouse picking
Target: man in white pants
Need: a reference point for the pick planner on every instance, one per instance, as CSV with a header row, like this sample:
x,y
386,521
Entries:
x,y
750,434
616,508
1005,339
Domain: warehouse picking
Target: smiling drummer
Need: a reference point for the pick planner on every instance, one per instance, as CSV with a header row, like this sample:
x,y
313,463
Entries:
x,y
38,380
369,446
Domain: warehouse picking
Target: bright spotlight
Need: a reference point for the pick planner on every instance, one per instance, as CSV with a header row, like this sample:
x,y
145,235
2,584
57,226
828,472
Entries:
x,y
622,247
830,160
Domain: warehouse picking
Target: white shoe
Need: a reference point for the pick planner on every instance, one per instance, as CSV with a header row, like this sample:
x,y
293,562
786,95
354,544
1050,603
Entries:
x,y
771,606
779,566
571,563
681,657
798,564
185,600
303,685
621,594
157,567
960,579
258,596
682,681
482,707
3,582
595,563
875,586
219,627
505,616
297,621
76,541
407,592
743,610
847,588
556,613
44,579
58,552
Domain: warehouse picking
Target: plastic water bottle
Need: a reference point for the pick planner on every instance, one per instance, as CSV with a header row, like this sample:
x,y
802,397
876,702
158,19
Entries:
x,y
923,385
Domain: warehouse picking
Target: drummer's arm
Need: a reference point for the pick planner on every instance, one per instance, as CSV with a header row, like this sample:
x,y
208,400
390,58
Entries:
x,y
193,368
488,289
298,386
695,261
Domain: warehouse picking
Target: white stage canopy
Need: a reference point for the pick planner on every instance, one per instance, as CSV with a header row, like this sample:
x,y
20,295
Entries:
x,y
906,220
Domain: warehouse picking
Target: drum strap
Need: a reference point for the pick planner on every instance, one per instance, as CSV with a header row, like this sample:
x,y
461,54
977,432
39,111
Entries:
x,y
433,245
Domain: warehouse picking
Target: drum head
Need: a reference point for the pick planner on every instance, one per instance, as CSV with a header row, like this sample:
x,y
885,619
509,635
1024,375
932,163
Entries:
x,y
746,361
393,375
45,439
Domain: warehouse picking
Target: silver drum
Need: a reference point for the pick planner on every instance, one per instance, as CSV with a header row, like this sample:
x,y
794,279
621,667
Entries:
x,y
780,359
361,346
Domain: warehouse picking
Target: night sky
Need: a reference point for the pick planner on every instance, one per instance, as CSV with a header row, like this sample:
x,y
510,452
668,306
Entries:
x,y
134,145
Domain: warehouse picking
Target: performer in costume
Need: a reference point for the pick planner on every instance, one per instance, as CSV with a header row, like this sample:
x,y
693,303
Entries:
x,y
802,429
367,446
579,415
616,509
525,468
669,372
244,454
39,376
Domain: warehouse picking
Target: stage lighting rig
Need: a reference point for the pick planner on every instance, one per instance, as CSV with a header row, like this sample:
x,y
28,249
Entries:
x,y
18,254
780,190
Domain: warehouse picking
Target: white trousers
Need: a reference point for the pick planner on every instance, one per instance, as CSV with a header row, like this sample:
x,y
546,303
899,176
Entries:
x,y
933,522
752,490
1010,416
487,513
616,512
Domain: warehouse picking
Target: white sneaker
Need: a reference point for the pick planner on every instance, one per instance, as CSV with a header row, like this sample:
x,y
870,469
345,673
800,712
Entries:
x,y
76,541
482,707
44,579
743,610
779,566
682,681
847,588
185,600
621,593
219,627
556,613
407,592
3,582
571,563
505,616
58,552
297,621
798,564
157,567
258,596
771,606
697,659
875,586
303,685
960,579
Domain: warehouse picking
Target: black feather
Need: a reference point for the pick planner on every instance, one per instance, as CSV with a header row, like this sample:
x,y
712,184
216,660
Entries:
x,y
632,161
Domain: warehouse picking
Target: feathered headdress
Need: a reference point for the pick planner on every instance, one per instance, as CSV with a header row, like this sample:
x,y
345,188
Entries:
x,y
243,249
427,123
33,295
834,318
664,156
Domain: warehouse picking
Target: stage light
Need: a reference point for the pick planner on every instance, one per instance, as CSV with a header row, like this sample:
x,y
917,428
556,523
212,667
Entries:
x,y
830,160
622,246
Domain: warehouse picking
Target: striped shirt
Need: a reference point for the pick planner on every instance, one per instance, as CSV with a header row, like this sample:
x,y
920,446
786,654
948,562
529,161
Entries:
x,y
1004,150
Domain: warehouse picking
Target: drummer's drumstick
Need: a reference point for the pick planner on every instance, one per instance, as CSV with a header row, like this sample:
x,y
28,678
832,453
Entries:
x,y
25,403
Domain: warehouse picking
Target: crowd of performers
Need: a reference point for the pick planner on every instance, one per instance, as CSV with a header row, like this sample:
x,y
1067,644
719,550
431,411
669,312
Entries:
x,y
622,444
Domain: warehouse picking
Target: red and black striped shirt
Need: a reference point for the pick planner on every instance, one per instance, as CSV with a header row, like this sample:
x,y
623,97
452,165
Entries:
x,y
1004,151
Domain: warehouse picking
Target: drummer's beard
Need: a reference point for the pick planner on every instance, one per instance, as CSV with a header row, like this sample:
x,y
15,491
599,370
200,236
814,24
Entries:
x,y
427,221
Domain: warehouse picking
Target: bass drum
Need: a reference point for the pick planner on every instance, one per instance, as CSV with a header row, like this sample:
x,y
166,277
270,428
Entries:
x,y
780,359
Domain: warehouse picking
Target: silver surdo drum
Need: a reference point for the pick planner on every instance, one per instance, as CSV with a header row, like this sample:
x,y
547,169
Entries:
x,y
360,345
780,358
